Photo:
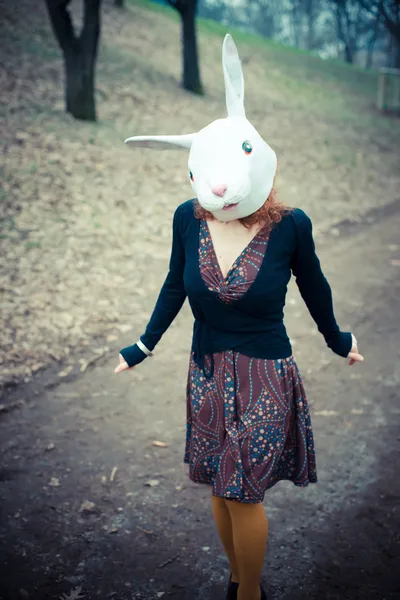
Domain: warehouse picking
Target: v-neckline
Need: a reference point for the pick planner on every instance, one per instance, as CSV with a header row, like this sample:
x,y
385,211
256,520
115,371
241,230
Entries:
x,y
245,249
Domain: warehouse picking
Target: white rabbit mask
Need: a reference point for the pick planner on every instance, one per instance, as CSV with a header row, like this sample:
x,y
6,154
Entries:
x,y
231,167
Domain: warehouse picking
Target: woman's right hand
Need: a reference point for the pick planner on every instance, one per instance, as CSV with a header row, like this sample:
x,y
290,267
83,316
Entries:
x,y
354,356
123,366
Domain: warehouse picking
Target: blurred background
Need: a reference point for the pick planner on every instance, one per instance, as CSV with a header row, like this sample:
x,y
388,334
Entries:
x,y
86,231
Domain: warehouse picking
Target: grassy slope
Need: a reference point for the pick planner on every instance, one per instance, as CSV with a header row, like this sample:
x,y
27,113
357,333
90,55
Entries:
x,y
79,205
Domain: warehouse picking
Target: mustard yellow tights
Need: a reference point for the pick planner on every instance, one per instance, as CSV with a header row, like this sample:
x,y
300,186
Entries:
x,y
243,529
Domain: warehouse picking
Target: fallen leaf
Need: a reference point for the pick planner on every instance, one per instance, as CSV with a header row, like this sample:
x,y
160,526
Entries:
x,y
148,531
66,371
87,506
160,444
54,482
21,136
124,328
112,338
74,594
50,446
152,482
112,476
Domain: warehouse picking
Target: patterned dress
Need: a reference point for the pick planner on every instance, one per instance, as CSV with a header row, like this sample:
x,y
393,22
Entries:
x,y
248,426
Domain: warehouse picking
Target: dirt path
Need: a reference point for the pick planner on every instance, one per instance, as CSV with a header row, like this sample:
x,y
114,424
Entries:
x,y
337,539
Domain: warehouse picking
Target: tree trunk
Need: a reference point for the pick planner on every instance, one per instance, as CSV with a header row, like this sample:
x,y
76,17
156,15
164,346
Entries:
x,y
80,55
310,34
295,20
348,52
370,54
191,72
310,12
371,45
345,30
79,86
396,54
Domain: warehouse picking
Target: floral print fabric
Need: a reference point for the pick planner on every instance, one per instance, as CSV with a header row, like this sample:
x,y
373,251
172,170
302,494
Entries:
x,y
249,426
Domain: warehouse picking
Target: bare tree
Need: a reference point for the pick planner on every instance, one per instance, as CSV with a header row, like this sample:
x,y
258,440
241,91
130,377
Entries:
x,y
265,16
350,25
215,10
191,72
304,22
371,42
80,53
295,14
311,12
386,12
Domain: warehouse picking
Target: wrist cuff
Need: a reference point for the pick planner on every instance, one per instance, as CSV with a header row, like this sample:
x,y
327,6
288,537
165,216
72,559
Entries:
x,y
132,355
143,348
341,343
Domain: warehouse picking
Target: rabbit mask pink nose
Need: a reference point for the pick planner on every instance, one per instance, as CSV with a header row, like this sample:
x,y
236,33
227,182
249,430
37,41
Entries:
x,y
219,190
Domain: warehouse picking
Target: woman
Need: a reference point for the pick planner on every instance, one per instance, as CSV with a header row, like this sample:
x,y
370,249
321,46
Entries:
x,y
234,249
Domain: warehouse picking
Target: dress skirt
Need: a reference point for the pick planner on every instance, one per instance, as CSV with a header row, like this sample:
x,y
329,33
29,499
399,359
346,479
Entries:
x,y
248,426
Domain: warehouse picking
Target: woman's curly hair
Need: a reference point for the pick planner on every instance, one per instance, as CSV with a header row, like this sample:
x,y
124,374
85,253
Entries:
x,y
271,212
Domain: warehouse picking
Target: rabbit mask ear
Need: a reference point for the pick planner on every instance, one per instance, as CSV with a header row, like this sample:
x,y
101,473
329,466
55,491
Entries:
x,y
233,75
163,142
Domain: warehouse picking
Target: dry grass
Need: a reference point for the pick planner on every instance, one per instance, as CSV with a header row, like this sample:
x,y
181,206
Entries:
x,y
87,221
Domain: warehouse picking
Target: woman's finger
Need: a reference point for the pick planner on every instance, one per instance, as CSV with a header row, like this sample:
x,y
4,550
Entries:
x,y
123,366
355,357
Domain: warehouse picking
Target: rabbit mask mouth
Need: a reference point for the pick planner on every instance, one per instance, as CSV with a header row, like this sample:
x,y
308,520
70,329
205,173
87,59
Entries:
x,y
230,207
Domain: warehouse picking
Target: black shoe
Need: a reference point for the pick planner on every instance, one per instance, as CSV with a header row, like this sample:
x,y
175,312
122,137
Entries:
x,y
232,590
263,593
233,587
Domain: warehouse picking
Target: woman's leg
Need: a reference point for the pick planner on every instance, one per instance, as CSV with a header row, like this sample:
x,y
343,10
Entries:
x,y
223,523
250,534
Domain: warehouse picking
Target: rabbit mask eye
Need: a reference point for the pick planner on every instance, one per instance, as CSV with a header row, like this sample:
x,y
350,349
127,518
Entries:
x,y
191,176
247,148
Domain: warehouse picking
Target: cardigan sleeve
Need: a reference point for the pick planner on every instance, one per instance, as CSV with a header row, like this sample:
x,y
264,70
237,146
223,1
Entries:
x,y
169,302
314,287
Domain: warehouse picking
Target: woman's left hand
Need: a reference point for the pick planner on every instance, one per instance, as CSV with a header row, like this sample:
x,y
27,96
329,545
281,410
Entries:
x,y
354,355
123,366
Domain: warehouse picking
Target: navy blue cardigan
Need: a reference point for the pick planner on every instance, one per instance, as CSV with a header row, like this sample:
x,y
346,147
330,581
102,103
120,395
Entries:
x,y
253,324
